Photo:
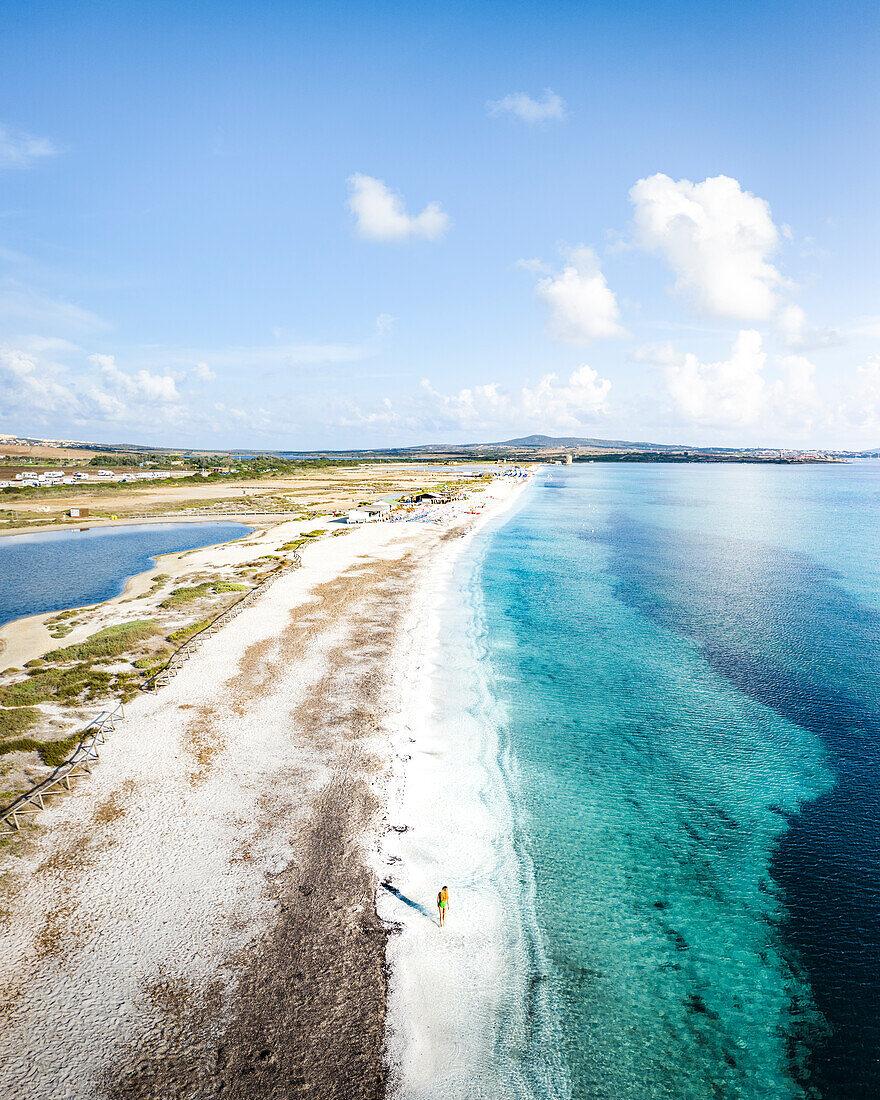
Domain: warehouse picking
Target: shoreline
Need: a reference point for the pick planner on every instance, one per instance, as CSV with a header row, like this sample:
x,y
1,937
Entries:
x,y
233,823
453,825
27,637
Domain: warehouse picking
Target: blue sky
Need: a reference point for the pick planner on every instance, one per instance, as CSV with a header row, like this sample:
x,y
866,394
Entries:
x,y
290,225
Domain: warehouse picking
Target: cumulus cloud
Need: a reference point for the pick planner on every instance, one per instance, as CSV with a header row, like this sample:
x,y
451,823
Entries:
x,y
28,384
795,397
381,214
582,307
735,392
549,107
862,408
729,393
717,239
203,372
36,385
551,403
791,323
141,387
20,150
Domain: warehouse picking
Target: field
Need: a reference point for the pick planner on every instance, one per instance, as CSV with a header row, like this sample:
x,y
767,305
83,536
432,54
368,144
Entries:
x,y
305,491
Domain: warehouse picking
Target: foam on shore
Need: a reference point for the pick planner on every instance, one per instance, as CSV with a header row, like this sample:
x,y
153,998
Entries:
x,y
469,1012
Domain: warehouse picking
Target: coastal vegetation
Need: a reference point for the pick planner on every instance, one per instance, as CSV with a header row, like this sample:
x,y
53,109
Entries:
x,y
77,684
107,643
17,720
52,753
187,632
186,594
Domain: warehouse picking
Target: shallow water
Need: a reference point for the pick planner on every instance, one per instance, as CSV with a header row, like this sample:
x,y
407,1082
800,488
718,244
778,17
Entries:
x,y
669,674
54,570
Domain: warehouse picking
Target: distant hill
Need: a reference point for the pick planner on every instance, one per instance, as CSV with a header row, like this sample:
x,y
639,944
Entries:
x,y
549,441
536,447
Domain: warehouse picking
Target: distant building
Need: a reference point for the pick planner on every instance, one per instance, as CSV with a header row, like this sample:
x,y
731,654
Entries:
x,y
78,513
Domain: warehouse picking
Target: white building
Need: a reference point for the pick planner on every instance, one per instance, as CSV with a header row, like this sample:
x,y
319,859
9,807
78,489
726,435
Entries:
x,y
356,515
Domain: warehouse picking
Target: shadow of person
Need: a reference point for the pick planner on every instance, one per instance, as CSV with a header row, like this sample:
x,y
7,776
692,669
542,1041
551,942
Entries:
x,y
408,901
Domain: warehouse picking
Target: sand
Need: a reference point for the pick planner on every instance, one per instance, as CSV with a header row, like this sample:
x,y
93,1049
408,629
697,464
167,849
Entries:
x,y
199,918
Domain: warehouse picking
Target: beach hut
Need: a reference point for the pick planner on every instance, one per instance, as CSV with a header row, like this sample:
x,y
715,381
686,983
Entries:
x,y
356,515
378,509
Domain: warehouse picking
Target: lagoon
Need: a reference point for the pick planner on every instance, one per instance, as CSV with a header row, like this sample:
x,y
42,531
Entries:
x,y
55,570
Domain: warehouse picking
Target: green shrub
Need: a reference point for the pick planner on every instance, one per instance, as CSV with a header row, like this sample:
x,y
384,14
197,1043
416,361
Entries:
x,y
62,685
22,744
61,616
199,591
106,643
187,632
18,720
56,752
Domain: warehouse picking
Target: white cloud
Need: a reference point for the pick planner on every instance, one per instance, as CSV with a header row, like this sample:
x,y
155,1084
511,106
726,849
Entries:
x,y
381,214
552,403
792,325
29,385
152,389
582,307
862,408
550,106
19,150
718,240
794,394
730,393
203,372
734,393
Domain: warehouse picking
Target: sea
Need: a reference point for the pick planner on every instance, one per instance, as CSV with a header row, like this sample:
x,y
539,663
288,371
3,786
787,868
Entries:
x,y
54,570
651,783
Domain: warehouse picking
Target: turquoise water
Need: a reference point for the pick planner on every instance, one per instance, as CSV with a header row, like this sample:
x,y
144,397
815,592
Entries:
x,y
685,662
54,570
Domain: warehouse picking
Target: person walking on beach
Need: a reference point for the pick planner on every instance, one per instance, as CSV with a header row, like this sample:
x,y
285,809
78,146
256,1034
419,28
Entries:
x,y
443,903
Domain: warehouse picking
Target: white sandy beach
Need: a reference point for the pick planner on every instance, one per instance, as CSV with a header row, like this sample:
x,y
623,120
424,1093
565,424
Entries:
x,y
150,897
458,995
